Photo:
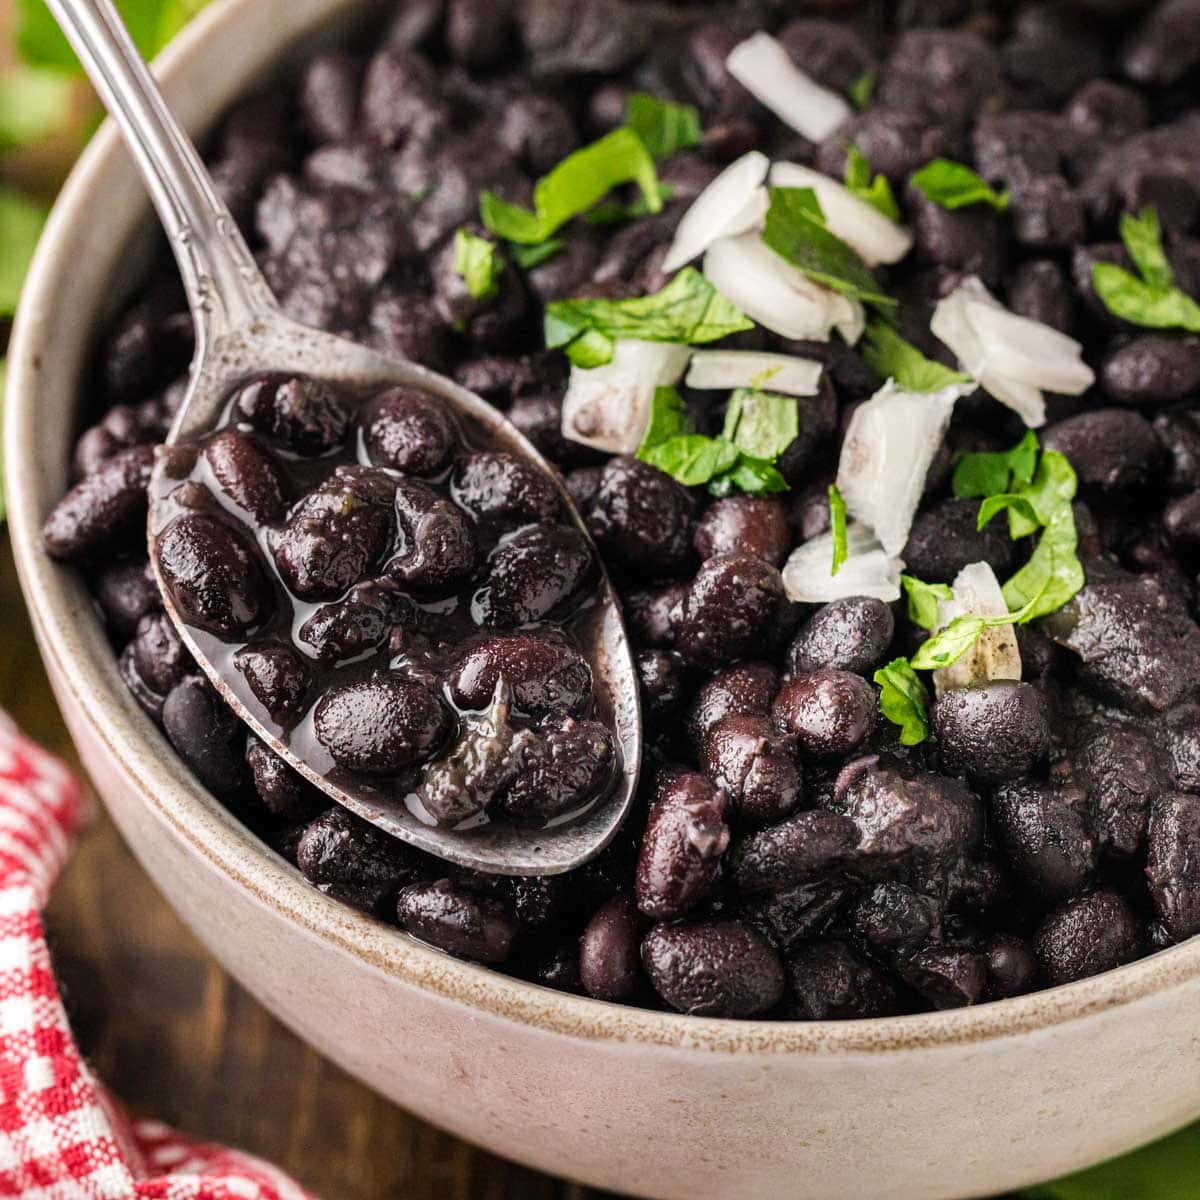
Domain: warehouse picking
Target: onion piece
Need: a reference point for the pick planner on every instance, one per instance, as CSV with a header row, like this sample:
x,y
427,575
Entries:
x,y
867,571
765,69
872,236
1012,357
887,451
781,298
724,370
733,203
608,407
995,655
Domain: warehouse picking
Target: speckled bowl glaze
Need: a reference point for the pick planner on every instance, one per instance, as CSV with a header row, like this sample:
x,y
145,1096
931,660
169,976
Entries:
x,y
954,1104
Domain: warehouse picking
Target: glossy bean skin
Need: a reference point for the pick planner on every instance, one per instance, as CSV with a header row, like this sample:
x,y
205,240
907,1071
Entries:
x,y
755,767
992,733
545,676
454,920
106,503
845,635
609,951
1087,935
408,430
829,713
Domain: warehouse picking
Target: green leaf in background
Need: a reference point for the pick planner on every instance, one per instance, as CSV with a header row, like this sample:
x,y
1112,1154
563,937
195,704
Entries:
x,y
796,230
761,424
528,257
33,104
41,43
1167,1170
876,192
21,221
923,600
954,185
902,700
475,260
3,383
666,128
862,88
837,527
894,358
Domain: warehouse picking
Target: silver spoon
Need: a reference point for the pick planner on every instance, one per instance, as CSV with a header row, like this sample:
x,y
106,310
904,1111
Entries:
x,y
240,331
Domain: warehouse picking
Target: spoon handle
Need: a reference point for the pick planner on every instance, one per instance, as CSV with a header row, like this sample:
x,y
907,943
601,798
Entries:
x,y
224,286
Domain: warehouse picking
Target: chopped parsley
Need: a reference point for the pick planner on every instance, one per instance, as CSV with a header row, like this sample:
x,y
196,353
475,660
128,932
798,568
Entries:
x,y
476,261
955,185
877,192
664,127
923,600
862,88
903,701
894,358
837,528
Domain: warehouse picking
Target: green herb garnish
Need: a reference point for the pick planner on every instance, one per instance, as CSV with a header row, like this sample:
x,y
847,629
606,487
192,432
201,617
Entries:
x,y
689,310
612,212
1153,301
574,186
476,261
664,127
528,257
923,600
796,230
862,88
876,192
989,473
954,185
948,645
761,424
837,527
894,358
903,701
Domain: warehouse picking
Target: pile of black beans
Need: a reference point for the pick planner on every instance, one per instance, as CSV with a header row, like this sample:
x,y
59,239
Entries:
x,y
787,857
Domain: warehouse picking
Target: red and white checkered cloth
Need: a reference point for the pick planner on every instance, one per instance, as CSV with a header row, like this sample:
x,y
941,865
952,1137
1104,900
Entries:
x,y
62,1136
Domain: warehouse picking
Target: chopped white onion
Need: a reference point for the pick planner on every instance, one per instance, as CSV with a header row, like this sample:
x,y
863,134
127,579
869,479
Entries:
x,y
886,454
733,203
875,238
867,571
721,370
995,655
765,69
608,407
769,290
1013,357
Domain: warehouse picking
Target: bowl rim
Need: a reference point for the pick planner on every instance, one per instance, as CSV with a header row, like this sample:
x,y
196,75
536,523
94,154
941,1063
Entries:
x,y
73,642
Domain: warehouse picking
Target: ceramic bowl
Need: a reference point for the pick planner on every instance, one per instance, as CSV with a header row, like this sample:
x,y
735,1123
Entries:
x,y
954,1104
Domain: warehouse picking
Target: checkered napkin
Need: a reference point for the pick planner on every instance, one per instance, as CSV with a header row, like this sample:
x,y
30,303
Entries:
x,y
62,1136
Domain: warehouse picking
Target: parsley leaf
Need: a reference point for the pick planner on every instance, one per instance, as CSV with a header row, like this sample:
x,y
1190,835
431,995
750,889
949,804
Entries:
x,y
796,230
1022,519
837,526
665,128
612,212
862,88
1153,301
691,458
475,260
894,358
954,185
761,424
923,600
1053,573
902,700
876,192
754,476
572,187
668,418
991,472
948,645
21,221
688,310
33,104
528,257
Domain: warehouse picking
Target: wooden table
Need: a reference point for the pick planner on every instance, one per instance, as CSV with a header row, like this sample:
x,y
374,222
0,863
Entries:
x,y
177,1038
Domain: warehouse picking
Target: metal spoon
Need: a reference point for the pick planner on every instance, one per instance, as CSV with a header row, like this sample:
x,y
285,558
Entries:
x,y
240,330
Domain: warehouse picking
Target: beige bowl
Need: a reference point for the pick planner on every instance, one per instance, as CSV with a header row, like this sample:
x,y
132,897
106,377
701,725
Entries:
x,y
944,1105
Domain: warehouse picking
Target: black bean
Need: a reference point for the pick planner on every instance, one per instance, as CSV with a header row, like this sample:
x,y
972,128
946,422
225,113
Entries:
x,y
1087,935
337,534
758,770
1173,863
478,31
409,430
1179,431
641,518
537,574
580,36
1108,111
399,98
349,629
1167,46
150,701
1152,368
434,551
247,473
610,965
944,539
727,610
830,713
285,792
713,968
1123,773
663,679
830,51
207,735
570,766
807,846
652,617
353,861
101,507
545,676
328,96
539,417
970,240
1039,289
126,591
538,130
946,976
1110,448
161,657
503,489
830,983
755,525
301,414
407,325
1047,213
993,733
1011,965
380,725
447,916
895,141
1045,836
893,917
743,690
278,677
681,850
214,575
846,635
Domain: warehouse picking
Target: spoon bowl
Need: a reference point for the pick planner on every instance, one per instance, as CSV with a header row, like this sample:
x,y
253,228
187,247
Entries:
x,y
241,332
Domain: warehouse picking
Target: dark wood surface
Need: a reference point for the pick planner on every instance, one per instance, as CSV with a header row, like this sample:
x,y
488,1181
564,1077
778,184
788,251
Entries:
x,y
176,1038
